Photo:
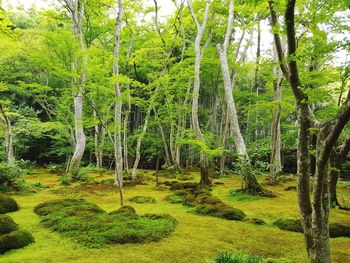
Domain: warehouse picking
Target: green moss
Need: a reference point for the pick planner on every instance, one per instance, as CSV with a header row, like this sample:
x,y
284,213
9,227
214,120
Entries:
x,y
240,196
175,199
89,225
7,224
220,210
7,204
179,186
142,200
294,225
14,240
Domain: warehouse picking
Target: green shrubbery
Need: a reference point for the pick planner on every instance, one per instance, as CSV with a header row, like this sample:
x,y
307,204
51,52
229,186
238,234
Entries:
x,y
7,204
225,257
294,225
9,176
204,203
142,200
88,224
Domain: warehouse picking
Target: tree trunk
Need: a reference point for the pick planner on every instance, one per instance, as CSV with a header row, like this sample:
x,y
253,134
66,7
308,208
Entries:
x,y
118,153
251,184
276,163
8,138
204,165
76,9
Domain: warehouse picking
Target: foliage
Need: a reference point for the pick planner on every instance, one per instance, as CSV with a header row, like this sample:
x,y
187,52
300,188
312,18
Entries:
x,y
239,196
91,226
226,257
9,175
65,180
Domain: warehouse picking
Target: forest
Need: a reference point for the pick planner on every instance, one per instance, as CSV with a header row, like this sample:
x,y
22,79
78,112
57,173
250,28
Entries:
x,y
175,131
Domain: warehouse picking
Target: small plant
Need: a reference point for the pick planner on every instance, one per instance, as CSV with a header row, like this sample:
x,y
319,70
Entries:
x,y
65,180
38,185
80,175
53,168
225,257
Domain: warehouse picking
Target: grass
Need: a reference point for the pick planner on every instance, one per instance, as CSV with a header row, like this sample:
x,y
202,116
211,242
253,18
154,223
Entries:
x,y
197,239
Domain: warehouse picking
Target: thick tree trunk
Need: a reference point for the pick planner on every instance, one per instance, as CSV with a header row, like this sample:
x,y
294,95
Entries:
x,y
76,9
204,165
80,139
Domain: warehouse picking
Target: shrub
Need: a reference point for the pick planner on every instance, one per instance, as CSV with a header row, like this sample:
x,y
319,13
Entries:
x,y
225,257
65,180
15,239
9,176
80,175
143,200
7,224
91,226
7,204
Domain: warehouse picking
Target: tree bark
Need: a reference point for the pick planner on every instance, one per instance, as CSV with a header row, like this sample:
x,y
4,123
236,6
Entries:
x,y
276,163
77,10
251,185
204,165
8,137
118,153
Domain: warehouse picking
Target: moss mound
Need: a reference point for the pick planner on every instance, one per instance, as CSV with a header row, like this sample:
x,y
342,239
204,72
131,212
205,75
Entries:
x,y
14,240
294,225
201,199
7,204
143,200
91,226
7,224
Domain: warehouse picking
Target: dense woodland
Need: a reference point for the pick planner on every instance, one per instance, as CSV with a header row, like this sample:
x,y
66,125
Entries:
x,y
107,96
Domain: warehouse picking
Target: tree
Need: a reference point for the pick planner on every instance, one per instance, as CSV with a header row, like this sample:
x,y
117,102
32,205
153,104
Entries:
x,y
314,215
204,165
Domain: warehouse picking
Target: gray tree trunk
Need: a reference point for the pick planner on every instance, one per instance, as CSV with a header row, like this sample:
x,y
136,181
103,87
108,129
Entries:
x,y
8,138
251,184
195,93
76,10
118,153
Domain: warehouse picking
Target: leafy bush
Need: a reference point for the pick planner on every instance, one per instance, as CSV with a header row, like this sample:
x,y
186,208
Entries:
x,y
9,175
15,239
80,175
91,226
26,165
225,257
7,204
53,168
143,200
7,224
65,180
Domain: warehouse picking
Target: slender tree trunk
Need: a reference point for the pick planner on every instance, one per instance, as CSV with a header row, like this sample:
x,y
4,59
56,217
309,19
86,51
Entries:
x,y
76,9
8,138
276,163
204,164
251,184
118,153
223,142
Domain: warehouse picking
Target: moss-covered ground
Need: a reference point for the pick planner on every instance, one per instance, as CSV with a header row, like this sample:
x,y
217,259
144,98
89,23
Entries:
x,y
196,238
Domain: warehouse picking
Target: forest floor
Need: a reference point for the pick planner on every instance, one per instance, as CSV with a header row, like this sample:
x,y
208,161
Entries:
x,y
197,239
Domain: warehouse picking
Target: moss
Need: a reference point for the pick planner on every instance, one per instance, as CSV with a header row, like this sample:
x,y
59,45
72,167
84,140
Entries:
x,y
89,225
255,221
126,209
142,200
225,257
179,186
294,225
7,204
220,210
15,240
175,199
7,224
